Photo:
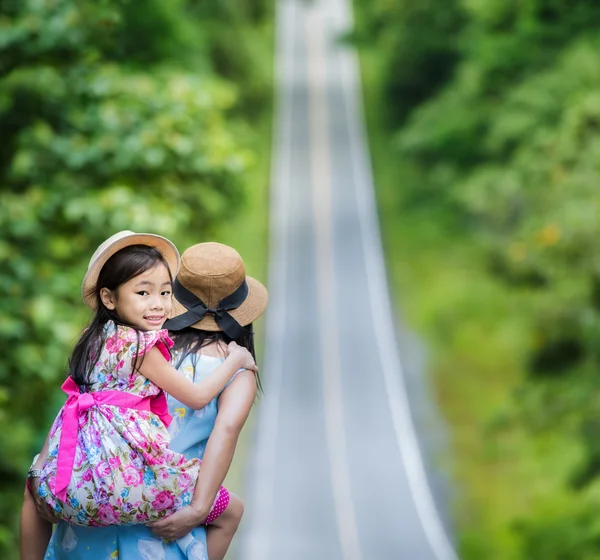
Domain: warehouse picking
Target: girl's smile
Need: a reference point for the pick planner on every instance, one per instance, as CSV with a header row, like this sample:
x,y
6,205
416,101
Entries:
x,y
144,302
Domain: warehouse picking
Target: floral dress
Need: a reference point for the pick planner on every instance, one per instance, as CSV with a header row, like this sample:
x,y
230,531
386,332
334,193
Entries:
x,y
190,430
123,471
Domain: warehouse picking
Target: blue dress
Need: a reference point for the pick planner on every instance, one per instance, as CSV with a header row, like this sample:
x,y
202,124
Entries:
x,y
190,430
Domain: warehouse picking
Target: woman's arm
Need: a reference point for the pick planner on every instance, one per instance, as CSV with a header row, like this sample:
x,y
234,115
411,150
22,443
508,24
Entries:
x,y
234,406
195,395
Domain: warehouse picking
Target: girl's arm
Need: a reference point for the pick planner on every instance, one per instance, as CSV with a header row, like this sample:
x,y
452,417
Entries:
x,y
234,406
195,395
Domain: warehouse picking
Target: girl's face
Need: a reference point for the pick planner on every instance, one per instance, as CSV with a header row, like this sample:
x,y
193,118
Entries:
x,y
143,302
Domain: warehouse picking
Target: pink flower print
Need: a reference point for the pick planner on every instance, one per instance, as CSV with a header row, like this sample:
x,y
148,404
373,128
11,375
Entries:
x,y
95,437
108,413
79,457
141,517
153,460
163,500
51,480
107,515
114,462
87,475
120,365
103,469
158,437
114,344
185,480
131,476
158,446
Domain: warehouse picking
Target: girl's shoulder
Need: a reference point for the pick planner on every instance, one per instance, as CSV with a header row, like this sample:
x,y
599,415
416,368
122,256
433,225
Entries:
x,y
119,337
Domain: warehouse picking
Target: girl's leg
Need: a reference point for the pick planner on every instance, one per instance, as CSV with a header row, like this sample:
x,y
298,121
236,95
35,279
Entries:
x,y
220,532
35,532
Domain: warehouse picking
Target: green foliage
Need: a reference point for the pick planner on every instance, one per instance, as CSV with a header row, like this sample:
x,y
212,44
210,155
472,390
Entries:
x,y
112,117
495,183
418,43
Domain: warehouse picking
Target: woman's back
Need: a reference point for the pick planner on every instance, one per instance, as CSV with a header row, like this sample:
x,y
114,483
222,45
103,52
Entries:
x,y
190,426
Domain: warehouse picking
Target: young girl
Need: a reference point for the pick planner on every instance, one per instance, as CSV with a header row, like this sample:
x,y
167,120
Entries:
x,y
106,457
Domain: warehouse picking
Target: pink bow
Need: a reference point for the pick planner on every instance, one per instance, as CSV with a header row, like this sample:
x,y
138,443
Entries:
x,y
77,403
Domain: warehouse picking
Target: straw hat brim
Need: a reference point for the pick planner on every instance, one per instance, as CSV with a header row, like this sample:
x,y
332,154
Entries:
x,y
251,309
168,250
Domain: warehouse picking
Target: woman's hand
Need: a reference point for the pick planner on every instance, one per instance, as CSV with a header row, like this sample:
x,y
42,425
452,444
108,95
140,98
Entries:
x,y
243,354
179,523
41,507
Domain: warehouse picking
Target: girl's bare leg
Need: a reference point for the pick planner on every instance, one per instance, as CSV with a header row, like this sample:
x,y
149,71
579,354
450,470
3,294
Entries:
x,y
35,532
220,532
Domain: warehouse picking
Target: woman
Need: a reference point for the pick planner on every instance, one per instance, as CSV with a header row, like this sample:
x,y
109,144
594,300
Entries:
x,y
206,317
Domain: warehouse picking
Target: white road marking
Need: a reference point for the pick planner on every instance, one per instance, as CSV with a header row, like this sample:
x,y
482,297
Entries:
x,y
380,304
329,337
263,499
262,517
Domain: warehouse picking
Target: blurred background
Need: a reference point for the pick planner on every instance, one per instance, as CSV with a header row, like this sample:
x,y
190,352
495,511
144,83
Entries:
x,y
483,120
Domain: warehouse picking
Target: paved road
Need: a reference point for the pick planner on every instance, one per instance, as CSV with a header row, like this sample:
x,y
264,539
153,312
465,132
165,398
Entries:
x,y
336,472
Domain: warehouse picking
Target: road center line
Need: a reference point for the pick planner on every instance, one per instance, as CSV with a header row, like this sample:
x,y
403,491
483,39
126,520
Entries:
x,y
331,368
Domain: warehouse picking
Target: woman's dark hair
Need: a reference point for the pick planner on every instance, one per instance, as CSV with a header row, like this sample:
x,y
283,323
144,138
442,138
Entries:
x,y
190,341
124,265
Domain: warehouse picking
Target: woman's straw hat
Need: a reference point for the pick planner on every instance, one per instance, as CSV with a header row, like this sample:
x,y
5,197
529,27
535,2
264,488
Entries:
x,y
212,272
117,242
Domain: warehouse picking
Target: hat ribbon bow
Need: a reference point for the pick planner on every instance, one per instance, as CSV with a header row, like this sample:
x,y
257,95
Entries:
x,y
197,309
77,404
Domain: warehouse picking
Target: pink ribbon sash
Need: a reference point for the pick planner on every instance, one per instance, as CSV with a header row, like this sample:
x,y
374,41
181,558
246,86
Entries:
x,y
77,403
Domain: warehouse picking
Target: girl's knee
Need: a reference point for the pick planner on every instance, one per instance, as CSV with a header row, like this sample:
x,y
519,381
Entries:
x,y
235,508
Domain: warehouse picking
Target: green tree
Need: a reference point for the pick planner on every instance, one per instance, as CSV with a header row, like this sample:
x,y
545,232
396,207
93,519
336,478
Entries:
x,y
112,117
499,156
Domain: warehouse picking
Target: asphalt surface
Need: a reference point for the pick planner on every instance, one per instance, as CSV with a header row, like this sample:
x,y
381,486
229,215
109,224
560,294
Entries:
x,y
337,469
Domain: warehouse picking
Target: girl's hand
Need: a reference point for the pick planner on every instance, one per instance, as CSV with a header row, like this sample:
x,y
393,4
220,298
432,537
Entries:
x,y
179,523
243,355
41,507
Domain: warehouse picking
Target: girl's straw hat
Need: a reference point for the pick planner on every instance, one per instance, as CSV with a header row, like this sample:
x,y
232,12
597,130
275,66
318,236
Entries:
x,y
117,242
213,293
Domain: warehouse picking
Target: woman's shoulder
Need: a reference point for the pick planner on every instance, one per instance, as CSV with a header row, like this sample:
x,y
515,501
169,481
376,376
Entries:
x,y
186,359
216,349
209,352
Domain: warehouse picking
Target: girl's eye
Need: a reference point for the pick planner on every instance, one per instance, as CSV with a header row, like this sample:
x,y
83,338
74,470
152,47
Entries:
x,y
143,293
166,293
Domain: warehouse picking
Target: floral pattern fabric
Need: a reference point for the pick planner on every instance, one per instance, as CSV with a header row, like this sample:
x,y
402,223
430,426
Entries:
x,y
124,472
190,431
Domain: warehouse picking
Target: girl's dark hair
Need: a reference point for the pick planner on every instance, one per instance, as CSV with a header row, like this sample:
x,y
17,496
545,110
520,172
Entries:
x,y
190,341
124,265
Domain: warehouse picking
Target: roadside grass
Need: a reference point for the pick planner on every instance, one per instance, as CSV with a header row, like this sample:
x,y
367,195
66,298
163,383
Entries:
x,y
476,333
